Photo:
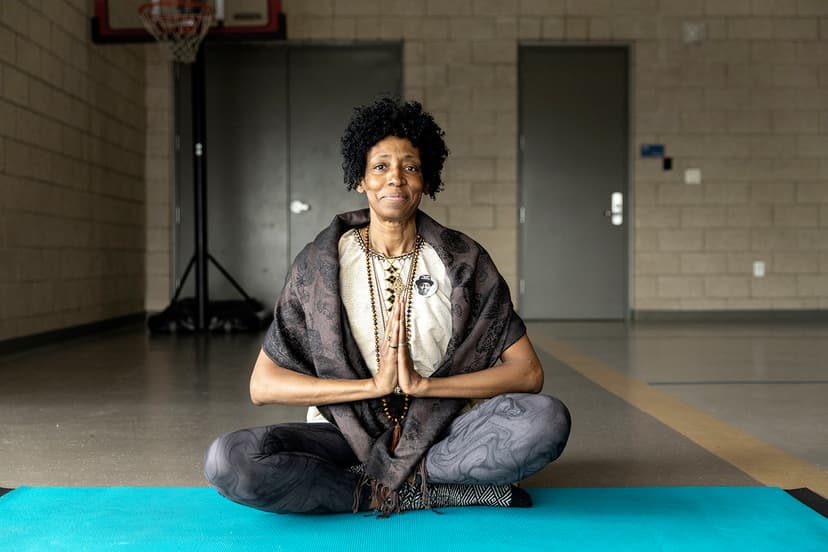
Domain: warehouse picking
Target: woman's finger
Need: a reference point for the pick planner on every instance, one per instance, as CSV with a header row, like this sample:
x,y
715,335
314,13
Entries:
x,y
388,336
404,360
402,338
392,329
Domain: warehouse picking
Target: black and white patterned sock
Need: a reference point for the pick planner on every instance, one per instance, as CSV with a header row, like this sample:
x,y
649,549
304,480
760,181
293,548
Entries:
x,y
442,495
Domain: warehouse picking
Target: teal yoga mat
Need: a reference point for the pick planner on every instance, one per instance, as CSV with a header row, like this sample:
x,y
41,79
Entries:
x,y
638,518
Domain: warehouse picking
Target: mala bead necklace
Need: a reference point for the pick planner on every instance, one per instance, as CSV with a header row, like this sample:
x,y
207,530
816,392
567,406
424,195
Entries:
x,y
395,289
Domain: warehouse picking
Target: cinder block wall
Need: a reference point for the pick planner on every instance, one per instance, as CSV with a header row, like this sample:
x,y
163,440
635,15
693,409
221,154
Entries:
x,y
72,193
159,178
748,105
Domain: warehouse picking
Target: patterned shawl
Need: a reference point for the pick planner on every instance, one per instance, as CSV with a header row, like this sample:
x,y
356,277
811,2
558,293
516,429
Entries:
x,y
311,334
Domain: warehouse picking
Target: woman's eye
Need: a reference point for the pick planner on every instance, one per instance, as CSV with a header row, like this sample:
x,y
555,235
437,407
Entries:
x,y
412,168
379,167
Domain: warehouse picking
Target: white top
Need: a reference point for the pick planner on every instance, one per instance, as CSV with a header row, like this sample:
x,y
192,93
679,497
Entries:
x,y
430,323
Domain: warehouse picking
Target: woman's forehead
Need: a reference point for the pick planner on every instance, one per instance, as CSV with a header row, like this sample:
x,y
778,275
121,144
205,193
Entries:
x,y
394,145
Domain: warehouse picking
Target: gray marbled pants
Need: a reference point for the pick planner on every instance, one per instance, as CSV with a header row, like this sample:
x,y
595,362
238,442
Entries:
x,y
302,468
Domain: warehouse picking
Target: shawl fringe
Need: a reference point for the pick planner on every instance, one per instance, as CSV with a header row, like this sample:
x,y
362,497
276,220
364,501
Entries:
x,y
385,500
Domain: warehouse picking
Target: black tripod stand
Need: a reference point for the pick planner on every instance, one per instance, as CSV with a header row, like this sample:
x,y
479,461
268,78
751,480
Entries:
x,y
199,314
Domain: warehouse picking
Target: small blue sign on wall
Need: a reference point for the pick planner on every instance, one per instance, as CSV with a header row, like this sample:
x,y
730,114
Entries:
x,y
652,150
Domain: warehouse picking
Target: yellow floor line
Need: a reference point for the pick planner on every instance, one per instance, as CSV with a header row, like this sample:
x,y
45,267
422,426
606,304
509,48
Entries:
x,y
761,461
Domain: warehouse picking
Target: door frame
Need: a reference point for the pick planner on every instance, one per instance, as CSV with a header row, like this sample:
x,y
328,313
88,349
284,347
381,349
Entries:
x,y
629,200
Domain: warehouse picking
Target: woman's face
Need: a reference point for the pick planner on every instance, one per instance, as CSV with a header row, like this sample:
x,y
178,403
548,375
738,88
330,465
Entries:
x,y
393,181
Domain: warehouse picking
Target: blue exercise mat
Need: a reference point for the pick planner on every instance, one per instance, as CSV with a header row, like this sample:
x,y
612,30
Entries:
x,y
637,518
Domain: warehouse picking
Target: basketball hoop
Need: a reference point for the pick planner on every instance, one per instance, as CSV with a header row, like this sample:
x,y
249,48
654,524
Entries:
x,y
178,26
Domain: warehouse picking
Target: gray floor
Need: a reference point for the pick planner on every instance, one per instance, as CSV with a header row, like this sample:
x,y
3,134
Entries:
x,y
124,408
770,380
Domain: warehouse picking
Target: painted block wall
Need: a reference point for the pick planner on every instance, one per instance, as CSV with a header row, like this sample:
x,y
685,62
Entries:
x,y
72,186
159,179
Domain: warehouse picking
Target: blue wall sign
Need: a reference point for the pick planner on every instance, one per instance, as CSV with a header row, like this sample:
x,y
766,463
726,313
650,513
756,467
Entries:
x,y
652,150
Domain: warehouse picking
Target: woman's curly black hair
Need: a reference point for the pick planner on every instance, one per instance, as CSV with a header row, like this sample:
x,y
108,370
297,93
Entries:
x,y
391,117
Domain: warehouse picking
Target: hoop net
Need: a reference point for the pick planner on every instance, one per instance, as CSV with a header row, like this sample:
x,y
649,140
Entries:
x,y
178,26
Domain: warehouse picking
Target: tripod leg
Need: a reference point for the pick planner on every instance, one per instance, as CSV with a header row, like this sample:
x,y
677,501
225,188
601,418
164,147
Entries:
x,y
202,290
180,285
231,280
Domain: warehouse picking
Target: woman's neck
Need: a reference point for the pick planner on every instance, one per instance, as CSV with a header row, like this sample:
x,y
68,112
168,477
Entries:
x,y
392,239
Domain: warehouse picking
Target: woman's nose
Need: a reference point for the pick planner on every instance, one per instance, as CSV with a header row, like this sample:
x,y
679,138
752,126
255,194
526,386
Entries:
x,y
395,175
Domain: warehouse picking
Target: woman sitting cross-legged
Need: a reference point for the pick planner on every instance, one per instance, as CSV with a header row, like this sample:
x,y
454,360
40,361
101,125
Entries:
x,y
421,394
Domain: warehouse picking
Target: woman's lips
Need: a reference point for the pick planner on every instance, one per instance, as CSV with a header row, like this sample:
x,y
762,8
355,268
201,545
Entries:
x,y
395,197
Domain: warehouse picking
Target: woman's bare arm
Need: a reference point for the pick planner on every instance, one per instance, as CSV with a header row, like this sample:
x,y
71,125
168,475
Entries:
x,y
519,372
273,384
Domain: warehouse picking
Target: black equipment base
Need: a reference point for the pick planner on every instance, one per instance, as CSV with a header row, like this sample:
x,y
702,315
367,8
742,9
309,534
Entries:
x,y
222,316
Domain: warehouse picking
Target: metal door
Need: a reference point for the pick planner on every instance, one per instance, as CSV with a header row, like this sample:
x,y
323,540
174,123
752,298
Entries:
x,y
275,114
247,167
247,177
574,174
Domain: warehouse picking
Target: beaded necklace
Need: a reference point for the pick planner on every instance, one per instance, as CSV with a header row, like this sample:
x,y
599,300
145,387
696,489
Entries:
x,y
395,289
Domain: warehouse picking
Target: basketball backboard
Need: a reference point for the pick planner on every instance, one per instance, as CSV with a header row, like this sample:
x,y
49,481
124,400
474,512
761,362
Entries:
x,y
118,21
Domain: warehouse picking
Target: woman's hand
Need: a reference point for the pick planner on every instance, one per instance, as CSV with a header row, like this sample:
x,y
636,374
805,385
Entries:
x,y
409,379
386,378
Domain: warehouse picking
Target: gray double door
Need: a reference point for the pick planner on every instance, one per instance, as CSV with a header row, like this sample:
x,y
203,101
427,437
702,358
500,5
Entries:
x,y
274,117
573,182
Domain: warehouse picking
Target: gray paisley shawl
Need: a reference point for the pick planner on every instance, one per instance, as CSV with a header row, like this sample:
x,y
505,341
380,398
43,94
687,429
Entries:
x,y
310,334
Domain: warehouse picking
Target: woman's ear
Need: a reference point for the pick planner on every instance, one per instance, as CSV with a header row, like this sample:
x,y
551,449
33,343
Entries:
x,y
360,187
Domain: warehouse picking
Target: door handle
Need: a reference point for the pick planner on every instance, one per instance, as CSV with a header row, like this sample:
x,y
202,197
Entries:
x,y
616,210
298,207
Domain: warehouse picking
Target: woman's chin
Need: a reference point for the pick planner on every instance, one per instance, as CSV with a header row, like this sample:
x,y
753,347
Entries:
x,y
395,212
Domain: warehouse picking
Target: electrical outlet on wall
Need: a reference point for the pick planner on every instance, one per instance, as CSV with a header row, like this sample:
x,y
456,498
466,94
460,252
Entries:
x,y
692,176
693,32
758,269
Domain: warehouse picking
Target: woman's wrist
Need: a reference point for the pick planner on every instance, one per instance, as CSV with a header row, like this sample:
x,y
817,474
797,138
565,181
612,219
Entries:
x,y
376,389
418,387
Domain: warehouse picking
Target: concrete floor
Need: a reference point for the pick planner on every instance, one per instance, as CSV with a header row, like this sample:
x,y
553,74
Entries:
x,y
770,380
124,408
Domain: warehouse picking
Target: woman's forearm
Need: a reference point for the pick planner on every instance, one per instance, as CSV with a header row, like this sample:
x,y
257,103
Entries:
x,y
513,377
520,371
273,384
